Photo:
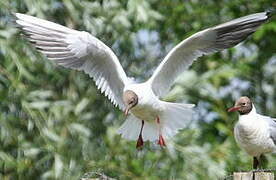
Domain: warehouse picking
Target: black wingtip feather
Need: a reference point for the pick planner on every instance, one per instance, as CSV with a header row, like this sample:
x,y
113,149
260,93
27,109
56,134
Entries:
x,y
231,34
270,13
38,48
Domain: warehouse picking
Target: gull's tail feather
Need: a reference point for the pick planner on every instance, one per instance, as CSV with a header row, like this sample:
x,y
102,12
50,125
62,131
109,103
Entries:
x,y
130,129
175,117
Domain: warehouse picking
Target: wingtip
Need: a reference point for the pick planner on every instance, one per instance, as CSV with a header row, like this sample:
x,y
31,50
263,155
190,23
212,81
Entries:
x,y
15,14
270,12
15,20
20,16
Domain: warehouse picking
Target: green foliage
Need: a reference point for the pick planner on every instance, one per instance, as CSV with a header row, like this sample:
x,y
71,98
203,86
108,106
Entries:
x,y
54,124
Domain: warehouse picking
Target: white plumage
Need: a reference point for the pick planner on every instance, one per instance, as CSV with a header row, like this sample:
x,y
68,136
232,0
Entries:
x,y
77,50
256,133
81,51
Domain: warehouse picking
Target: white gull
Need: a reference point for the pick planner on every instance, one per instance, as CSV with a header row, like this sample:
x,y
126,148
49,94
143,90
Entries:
x,y
254,133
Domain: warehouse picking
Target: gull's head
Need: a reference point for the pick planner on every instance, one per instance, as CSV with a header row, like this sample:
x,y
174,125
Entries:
x,y
130,99
243,105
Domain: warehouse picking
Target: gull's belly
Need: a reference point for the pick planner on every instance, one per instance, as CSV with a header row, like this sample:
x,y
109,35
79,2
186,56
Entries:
x,y
149,106
253,140
146,112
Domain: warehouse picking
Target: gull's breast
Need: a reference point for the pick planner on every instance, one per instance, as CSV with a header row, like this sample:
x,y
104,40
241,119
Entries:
x,y
149,106
255,140
147,111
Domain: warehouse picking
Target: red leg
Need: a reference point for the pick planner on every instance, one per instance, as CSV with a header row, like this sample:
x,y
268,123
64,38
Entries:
x,y
140,141
161,140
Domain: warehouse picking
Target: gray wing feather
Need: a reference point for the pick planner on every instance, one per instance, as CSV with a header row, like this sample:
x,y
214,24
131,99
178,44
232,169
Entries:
x,y
204,42
77,50
271,127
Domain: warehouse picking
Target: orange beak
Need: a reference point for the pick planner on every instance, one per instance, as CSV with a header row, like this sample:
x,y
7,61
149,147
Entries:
x,y
235,108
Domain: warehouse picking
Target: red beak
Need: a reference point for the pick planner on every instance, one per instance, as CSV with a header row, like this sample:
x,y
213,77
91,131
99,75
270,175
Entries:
x,y
126,111
235,108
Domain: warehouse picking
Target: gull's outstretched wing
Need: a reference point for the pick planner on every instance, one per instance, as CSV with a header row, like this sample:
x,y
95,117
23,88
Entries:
x,y
204,42
77,50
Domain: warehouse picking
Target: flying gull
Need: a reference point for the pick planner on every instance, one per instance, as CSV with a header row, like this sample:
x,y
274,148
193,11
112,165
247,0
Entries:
x,y
150,119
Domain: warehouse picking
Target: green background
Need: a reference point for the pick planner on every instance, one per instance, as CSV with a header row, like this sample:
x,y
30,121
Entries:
x,y
55,124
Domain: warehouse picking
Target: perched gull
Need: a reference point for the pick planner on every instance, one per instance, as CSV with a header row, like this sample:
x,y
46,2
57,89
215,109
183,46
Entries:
x,y
150,118
255,133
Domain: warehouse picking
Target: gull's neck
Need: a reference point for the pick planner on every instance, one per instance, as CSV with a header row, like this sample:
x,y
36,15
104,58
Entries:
x,y
250,117
252,112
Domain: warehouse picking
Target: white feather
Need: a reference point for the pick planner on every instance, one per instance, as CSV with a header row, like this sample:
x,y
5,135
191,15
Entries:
x,y
150,131
175,117
255,133
78,50
130,128
204,42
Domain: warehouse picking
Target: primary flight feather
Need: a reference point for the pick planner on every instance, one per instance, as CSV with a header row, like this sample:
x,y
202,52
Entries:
x,y
150,118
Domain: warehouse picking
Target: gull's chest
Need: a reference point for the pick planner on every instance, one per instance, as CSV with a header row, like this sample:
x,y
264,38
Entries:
x,y
147,111
252,136
149,106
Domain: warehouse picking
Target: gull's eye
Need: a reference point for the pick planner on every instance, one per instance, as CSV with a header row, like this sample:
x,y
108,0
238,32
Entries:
x,y
243,104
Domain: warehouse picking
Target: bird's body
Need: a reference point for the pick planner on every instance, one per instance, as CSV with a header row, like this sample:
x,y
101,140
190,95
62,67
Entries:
x,y
150,118
255,133
160,118
149,106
